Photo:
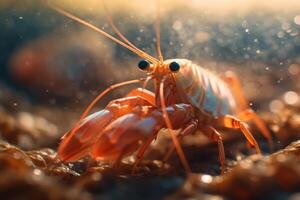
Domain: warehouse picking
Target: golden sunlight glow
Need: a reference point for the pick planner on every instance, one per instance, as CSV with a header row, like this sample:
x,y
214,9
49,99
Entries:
x,y
219,6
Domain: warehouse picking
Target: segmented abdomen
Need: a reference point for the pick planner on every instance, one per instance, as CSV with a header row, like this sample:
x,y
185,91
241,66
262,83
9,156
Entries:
x,y
205,90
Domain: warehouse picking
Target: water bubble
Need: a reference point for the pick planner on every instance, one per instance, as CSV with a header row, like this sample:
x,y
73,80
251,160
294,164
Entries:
x,y
26,120
206,178
291,97
285,26
201,36
247,30
244,23
177,25
294,69
37,172
279,80
297,20
294,33
289,30
276,106
258,51
280,34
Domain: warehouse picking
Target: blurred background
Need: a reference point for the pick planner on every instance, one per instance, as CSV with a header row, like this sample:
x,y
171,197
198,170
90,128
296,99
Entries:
x,y
51,68
51,59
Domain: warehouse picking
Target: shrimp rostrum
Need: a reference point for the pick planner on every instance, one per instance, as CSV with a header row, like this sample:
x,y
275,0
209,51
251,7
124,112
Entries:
x,y
186,98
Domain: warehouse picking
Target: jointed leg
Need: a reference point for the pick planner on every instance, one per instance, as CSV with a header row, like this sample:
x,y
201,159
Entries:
x,y
244,112
142,151
180,114
143,93
249,115
214,135
189,129
229,121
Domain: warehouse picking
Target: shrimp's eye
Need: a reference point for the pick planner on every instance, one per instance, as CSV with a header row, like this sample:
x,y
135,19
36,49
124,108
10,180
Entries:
x,y
174,66
144,65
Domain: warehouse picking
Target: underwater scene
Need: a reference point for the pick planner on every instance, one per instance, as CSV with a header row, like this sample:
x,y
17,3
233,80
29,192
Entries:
x,y
160,99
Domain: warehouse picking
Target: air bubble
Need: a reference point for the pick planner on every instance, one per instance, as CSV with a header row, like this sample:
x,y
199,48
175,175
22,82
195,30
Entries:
x,y
177,25
291,97
276,106
297,20
294,69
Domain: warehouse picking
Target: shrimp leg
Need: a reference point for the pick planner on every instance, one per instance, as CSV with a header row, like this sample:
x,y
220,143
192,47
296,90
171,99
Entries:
x,y
244,111
229,121
142,125
142,151
214,135
190,128
210,132
250,115
143,93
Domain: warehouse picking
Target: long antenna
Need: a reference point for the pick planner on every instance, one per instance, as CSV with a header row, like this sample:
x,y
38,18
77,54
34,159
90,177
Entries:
x,y
89,25
114,27
170,128
157,30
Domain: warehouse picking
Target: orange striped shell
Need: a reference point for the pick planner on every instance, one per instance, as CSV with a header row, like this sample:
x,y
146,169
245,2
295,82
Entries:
x,y
204,89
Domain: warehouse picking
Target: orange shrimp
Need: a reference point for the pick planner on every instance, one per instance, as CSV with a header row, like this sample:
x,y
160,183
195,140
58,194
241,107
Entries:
x,y
186,97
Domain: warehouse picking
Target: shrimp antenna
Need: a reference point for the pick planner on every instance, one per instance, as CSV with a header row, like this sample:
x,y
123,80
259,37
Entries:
x,y
137,51
170,128
114,27
157,31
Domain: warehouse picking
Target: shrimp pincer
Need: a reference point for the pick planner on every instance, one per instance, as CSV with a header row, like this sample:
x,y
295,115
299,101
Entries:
x,y
106,135
186,98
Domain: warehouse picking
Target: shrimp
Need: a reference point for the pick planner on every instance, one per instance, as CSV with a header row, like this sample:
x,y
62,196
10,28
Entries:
x,y
187,98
